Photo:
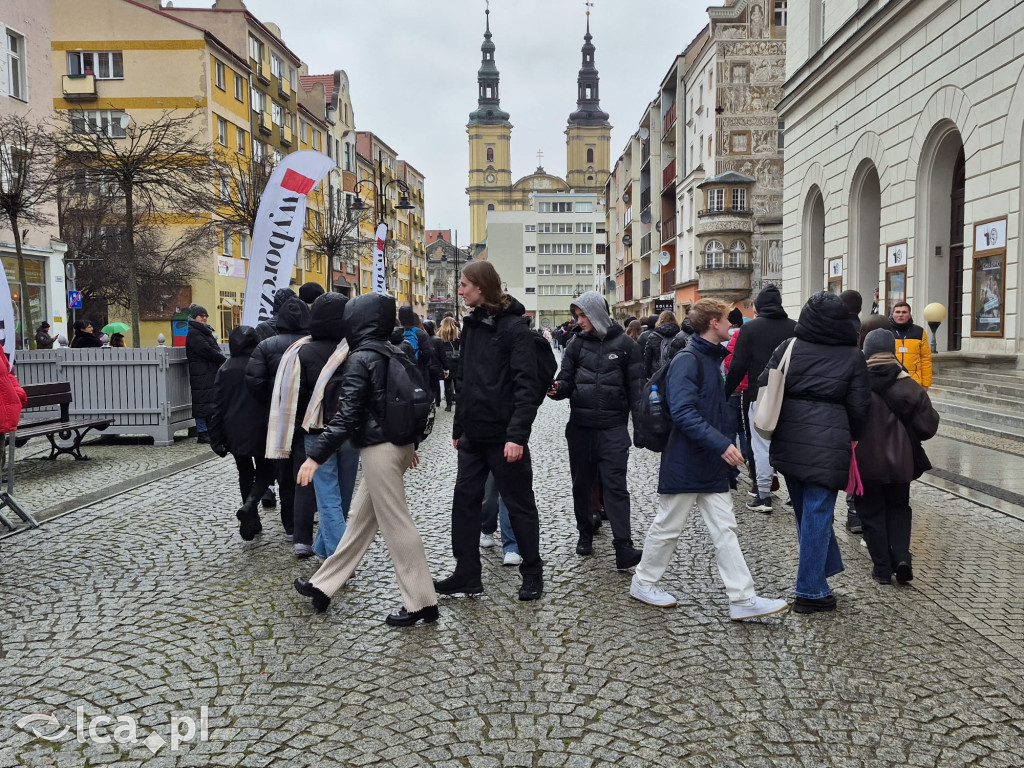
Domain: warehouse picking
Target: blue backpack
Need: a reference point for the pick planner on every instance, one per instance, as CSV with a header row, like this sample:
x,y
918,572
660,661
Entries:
x,y
413,339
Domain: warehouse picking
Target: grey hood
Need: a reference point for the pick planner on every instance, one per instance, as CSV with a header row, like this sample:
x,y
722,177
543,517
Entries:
x,y
593,305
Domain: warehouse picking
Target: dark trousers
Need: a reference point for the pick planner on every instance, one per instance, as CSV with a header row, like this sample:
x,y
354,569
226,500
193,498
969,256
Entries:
x,y
450,389
255,476
746,426
885,516
600,454
298,503
435,388
740,415
515,484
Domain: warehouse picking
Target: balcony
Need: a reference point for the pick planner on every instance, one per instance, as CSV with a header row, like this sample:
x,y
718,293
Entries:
x,y
725,222
286,135
284,87
645,199
261,73
668,279
668,229
645,288
645,244
627,218
729,283
669,120
645,152
266,124
79,87
668,175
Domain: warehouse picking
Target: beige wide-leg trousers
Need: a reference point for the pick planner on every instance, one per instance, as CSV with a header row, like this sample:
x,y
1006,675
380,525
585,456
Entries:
x,y
379,504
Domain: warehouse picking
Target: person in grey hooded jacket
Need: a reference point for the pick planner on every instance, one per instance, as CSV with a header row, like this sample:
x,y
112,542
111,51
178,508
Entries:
x,y
602,375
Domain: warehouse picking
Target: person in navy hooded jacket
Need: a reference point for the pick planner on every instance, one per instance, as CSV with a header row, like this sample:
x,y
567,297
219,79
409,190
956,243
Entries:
x,y
697,467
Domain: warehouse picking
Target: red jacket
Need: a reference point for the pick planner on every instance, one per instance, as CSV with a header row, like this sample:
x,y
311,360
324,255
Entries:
x,y
742,386
12,397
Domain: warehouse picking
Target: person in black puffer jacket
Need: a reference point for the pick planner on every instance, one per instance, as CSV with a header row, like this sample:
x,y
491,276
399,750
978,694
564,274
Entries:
x,y
660,339
494,415
423,349
380,502
650,323
437,362
298,506
823,412
204,359
336,478
268,328
602,375
753,349
449,335
238,425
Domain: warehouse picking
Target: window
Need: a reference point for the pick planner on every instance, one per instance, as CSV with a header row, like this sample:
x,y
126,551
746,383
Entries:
x,y
716,199
584,248
584,227
105,65
530,228
559,228
348,157
243,241
555,248
546,290
531,270
556,207
255,49
531,249
590,155
225,188
222,131
276,65
583,207
490,206
240,88
316,140
103,121
259,150
544,269
277,113
227,242
739,199
564,290
782,134
584,269
16,66
781,12
739,142
531,289
218,73
738,254
240,137
714,255
258,99
490,154
563,269
710,152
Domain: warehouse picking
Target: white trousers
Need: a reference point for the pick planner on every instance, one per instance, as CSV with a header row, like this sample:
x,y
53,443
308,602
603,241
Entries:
x,y
669,521
762,463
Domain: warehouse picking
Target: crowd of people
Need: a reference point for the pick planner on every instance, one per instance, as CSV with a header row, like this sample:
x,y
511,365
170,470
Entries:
x,y
303,401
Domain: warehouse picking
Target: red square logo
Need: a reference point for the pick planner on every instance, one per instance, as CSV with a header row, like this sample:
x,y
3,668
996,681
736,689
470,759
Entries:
x,y
296,182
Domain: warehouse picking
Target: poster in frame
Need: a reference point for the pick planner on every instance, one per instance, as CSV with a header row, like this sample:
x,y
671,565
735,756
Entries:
x,y
835,276
989,278
896,255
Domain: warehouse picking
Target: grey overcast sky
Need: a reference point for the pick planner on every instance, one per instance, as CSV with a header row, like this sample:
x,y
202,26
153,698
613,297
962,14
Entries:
x,y
412,65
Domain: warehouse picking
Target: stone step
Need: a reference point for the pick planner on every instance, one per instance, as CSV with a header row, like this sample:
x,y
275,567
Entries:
x,y
970,374
1011,393
985,419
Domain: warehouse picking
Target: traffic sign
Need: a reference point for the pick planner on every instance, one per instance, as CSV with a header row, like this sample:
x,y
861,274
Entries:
x,y
74,299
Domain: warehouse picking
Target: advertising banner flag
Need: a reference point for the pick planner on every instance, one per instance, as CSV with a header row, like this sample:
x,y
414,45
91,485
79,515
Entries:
x,y
8,331
278,230
380,281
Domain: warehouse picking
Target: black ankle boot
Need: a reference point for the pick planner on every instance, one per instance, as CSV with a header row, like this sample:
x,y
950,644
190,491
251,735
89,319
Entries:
x,y
403,618
626,556
457,584
532,589
585,543
248,522
320,601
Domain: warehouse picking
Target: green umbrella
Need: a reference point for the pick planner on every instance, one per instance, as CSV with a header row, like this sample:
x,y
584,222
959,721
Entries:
x,y
115,328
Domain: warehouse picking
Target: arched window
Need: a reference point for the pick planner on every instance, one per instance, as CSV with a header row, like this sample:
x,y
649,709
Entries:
x,y
714,255
738,254
490,154
490,206
590,155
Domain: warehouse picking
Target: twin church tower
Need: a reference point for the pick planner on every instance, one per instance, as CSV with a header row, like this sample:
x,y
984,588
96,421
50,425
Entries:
x,y
587,138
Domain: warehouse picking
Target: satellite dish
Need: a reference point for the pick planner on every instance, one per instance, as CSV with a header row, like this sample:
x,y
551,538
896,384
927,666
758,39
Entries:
x,y
664,258
657,226
627,240
655,267
125,121
621,255
644,134
625,197
645,217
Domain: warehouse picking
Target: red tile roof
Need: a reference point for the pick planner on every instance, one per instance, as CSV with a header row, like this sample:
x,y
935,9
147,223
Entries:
x,y
327,80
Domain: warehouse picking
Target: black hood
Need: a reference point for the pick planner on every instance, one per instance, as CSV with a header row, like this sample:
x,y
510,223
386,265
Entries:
x,y
326,317
769,303
293,317
881,377
687,327
243,341
281,295
825,320
667,329
368,317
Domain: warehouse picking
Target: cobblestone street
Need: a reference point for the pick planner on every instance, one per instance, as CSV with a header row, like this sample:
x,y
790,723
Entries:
x,y
148,605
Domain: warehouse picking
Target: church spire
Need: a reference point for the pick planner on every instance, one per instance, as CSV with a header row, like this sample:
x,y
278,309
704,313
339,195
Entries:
x,y
588,102
488,111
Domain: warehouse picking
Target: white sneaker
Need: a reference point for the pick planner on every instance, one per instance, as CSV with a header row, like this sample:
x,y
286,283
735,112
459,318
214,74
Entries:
x,y
755,608
512,558
651,594
486,540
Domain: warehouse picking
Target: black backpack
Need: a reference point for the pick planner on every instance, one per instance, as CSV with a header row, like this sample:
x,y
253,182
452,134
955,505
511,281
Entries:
x,y
651,430
547,366
408,407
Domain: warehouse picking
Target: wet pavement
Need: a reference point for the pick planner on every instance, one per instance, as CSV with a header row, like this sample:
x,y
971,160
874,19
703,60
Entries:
x,y
147,605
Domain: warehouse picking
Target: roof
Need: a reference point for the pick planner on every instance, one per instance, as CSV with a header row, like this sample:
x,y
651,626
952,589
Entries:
x,y
327,81
729,177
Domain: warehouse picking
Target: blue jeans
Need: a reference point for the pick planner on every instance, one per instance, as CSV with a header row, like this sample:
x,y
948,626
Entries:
x,y
333,483
819,551
201,424
493,511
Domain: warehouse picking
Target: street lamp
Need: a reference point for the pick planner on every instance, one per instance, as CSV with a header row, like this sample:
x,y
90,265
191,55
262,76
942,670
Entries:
x,y
455,277
380,188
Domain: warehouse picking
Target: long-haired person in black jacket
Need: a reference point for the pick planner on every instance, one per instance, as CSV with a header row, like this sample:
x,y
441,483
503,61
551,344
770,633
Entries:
x,y
451,352
602,375
379,504
493,418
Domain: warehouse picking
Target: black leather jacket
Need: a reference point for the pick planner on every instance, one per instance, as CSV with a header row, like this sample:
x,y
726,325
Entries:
x,y
292,325
370,320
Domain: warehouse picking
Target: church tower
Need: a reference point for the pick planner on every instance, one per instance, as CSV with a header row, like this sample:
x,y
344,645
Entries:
x,y
490,134
588,135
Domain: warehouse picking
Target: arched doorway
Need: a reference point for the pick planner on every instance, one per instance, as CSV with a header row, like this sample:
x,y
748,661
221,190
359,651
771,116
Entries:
x,y
939,269
812,276
865,220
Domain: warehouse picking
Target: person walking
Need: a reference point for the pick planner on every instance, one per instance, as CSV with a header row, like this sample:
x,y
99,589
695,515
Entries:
x,y
738,397
423,351
633,330
754,347
697,467
43,338
912,350
438,368
889,456
452,356
656,351
854,303
601,374
238,425
319,384
823,413
204,360
494,415
84,336
379,503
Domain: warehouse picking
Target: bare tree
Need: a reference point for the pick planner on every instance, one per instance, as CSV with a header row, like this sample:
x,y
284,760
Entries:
x,y
162,172
247,178
27,187
336,233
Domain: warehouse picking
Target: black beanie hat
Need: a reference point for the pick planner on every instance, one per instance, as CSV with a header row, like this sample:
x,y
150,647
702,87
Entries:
x,y
735,316
309,292
406,316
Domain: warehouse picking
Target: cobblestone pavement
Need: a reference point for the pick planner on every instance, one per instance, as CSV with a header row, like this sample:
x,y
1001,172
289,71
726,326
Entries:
x,y
149,606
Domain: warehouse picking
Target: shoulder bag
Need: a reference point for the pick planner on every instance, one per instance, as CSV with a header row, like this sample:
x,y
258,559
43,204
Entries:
x,y
769,398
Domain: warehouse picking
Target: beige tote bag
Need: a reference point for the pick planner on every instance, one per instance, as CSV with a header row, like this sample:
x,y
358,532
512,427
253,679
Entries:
x,y
769,398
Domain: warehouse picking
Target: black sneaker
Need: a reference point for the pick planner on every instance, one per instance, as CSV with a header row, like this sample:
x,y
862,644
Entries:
x,y
269,500
532,589
761,504
585,544
627,557
814,604
458,585
853,524
904,572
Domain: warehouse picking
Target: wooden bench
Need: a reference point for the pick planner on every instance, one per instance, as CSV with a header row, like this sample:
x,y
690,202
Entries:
x,y
54,425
